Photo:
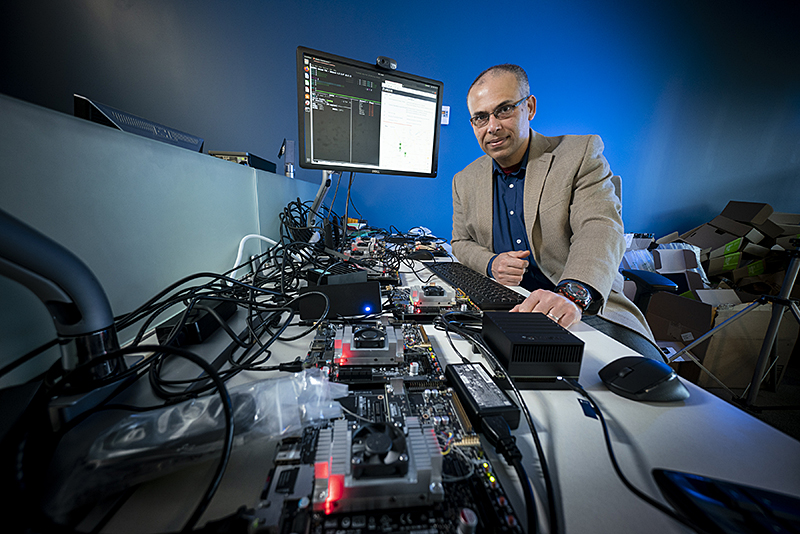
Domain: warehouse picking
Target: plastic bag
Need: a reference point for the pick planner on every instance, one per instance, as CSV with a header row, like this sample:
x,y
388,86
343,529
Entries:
x,y
145,446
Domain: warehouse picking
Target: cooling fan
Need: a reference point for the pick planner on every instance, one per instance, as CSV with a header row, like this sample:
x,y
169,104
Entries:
x,y
378,450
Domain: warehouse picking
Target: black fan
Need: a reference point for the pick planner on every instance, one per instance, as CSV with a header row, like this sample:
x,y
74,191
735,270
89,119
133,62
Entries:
x,y
369,337
379,450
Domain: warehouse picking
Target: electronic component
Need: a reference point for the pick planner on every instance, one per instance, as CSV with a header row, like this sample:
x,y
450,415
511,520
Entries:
x,y
367,344
330,86
127,122
376,466
482,291
403,459
344,300
431,296
422,304
245,158
406,353
480,395
338,273
532,348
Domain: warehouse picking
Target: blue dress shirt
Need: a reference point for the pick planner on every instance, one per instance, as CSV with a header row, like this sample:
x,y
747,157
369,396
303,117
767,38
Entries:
x,y
508,225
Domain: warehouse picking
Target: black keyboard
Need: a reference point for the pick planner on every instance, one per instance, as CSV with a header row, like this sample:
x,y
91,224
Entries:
x,y
485,293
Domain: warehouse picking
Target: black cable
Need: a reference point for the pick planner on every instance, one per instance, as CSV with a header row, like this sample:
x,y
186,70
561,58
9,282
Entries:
x,y
496,430
633,489
27,357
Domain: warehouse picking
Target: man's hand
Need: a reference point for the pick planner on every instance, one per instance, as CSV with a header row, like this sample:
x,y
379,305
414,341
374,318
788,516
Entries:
x,y
558,307
508,267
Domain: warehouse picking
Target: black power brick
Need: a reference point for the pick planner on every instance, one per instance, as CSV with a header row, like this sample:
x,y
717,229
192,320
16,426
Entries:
x,y
200,323
479,394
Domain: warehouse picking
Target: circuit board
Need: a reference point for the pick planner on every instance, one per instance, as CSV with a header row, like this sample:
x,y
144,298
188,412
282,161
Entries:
x,y
423,303
374,352
404,458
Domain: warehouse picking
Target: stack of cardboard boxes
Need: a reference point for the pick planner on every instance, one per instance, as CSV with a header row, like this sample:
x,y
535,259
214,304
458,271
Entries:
x,y
743,253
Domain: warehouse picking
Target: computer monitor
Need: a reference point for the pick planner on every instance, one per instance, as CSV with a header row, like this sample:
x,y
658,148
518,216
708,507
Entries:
x,y
354,116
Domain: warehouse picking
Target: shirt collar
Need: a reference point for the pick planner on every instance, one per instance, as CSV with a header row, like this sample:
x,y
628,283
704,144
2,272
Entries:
x,y
520,173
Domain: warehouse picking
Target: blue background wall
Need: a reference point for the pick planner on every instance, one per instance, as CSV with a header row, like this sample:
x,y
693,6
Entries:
x,y
698,102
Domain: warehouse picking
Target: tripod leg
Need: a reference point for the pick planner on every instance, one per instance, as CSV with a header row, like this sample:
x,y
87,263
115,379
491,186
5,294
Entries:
x,y
772,331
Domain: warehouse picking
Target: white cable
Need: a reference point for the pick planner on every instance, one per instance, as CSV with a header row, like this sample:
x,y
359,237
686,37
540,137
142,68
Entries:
x,y
236,264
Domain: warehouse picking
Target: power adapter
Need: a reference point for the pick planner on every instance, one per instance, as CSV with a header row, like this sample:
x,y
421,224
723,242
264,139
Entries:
x,y
479,394
199,325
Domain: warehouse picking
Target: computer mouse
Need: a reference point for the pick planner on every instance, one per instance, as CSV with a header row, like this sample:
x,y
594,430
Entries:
x,y
643,379
421,255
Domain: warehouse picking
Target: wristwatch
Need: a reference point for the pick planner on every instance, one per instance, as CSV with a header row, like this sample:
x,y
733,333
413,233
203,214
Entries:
x,y
576,292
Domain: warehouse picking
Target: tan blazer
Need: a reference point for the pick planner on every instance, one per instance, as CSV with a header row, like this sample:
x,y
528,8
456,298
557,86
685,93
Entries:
x,y
572,215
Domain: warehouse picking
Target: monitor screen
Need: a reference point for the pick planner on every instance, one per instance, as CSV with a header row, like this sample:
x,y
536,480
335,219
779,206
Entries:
x,y
358,117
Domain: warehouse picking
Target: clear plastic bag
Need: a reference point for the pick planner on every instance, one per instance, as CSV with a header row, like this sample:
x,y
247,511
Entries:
x,y
145,446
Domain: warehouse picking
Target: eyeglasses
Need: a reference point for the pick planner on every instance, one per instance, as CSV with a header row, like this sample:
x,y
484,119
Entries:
x,y
479,120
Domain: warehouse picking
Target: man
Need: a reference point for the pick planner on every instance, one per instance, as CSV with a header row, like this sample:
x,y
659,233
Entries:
x,y
543,213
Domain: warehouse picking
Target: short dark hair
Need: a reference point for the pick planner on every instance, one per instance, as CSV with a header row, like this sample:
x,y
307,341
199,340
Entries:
x,y
518,72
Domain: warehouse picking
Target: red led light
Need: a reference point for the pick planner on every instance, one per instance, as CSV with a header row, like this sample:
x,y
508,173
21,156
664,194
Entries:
x,y
335,490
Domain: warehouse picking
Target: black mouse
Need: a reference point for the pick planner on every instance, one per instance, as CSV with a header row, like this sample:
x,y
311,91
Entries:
x,y
643,379
421,255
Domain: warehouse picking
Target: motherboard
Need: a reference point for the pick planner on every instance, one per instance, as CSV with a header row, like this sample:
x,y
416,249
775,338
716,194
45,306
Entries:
x,y
404,458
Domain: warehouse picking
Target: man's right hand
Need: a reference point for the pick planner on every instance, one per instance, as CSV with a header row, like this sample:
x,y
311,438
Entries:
x,y
508,267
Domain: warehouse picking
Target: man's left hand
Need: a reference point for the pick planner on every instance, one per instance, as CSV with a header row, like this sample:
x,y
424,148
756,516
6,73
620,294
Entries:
x,y
558,307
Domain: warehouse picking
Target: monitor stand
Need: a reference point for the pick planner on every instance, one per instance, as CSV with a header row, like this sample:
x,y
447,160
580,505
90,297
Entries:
x,y
321,192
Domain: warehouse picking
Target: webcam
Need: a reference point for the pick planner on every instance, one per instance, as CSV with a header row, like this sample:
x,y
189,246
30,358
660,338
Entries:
x,y
386,63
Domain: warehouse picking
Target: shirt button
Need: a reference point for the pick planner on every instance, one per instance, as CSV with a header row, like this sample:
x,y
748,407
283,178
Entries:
x,y
511,212
511,186
519,241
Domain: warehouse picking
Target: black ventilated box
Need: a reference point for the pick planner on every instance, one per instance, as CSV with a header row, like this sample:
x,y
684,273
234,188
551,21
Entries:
x,y
533,349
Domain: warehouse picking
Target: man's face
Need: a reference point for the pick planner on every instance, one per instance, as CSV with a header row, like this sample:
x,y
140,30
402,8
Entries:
x,y
505,140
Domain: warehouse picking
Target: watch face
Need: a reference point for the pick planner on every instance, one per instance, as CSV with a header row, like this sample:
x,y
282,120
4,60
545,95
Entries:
x,y
577,290
576,293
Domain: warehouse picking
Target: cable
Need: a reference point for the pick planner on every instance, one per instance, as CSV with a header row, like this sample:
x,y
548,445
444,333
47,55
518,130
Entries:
x,y
27,357
636,491
496,430
236,263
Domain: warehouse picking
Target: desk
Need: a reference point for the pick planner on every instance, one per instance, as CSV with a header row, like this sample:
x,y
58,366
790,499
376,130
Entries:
x,y
701,435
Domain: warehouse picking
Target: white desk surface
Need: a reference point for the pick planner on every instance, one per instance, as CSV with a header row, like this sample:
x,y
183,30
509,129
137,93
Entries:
x,y
702,435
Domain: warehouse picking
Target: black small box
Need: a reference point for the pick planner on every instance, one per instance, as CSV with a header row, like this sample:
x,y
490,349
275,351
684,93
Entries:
x,y
346,300
532,348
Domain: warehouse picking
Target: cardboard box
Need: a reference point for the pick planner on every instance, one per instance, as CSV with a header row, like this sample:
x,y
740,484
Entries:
x,y
740,244
732,352
673,318
718,297
785,242
759,267
747,212
673,260
751,249
708,237
739,229
677,265
782,218
729,248
683,365
724,264
770,229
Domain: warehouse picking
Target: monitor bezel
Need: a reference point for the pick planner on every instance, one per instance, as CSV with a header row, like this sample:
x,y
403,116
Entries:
x,y
301,51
